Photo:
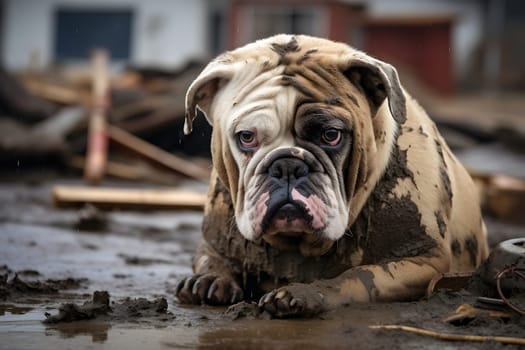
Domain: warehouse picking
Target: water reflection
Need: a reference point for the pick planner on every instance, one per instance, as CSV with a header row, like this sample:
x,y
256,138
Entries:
x,y
97,330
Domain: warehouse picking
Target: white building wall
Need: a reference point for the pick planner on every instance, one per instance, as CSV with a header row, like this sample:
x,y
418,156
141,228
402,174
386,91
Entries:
x,y
164,32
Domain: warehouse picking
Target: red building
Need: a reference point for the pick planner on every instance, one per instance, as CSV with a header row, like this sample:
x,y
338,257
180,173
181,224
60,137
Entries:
x,y
421,45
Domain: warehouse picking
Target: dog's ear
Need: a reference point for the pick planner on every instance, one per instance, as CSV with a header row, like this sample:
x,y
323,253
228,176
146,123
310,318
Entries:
x,y
378,80
202,91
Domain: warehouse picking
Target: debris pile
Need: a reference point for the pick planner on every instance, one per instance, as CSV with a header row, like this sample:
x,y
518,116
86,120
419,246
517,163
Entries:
x,y
130,121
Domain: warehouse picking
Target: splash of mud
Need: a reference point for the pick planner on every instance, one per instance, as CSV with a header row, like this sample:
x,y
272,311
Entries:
x,y
246,310
16,287
99,307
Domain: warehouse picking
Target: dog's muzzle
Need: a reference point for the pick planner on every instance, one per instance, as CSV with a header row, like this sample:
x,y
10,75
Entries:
x,y
286,174
292,204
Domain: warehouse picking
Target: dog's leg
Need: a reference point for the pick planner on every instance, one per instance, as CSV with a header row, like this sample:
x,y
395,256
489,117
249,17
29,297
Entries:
x,y
400,280
213,281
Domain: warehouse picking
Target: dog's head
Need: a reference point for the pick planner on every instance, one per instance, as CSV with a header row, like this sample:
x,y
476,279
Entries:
x,y
301,133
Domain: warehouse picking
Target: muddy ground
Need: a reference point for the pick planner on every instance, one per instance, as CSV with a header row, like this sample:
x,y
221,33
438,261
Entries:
x,y
53,262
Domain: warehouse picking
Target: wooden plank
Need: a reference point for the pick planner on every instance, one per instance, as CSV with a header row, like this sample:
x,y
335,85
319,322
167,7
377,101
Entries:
x,y
55,93
132,172
125,198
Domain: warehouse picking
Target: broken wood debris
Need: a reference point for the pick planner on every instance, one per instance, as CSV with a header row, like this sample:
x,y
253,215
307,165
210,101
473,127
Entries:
x,y
449,281
131,171
55,93
503,196
453,337
466,313
156,155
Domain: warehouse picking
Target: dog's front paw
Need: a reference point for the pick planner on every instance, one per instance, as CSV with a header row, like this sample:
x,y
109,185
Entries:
x,y
208,289
294,300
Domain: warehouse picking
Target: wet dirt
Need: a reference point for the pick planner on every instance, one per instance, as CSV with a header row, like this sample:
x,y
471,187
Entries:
x,y
50,264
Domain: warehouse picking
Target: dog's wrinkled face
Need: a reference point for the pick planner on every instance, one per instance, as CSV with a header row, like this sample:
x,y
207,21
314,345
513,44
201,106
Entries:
x,y
293,121
290,157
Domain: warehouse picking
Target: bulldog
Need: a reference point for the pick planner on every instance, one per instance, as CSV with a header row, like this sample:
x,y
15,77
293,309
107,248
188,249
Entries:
x,y
330,184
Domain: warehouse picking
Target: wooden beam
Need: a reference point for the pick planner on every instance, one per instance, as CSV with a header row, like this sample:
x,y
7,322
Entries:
x,y
121,198
97,144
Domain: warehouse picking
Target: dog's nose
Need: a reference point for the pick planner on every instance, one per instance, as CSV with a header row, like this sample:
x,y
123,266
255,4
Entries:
x,y
289,212
288,169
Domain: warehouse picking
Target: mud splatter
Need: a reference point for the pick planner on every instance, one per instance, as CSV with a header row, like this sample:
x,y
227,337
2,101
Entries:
x,y
247,310
91,219
392,226
445,179
367,279
100,307
455,246
395,231
471,245
442,226
13,287
142,261
72,312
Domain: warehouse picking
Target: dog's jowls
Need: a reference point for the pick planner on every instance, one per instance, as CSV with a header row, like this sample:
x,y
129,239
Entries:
x,y
330,184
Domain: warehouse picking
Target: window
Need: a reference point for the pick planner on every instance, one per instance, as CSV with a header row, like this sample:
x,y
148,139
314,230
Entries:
x,y
79,31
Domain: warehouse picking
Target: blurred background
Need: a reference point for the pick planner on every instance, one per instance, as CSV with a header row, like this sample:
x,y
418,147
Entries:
x,y
449,45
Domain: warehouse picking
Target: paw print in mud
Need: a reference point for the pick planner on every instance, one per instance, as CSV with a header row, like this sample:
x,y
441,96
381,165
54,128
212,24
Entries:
x,y
294,300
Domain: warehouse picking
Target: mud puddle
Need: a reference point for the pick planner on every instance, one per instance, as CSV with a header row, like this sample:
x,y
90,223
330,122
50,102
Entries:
x,y
51,262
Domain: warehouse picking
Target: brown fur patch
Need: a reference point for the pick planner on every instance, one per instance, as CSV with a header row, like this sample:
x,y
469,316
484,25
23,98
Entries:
x,y
306,55
353,99
284,49
333,100
288,80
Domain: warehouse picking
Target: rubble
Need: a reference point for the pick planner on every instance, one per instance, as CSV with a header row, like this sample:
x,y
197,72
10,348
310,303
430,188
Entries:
x,y
46,117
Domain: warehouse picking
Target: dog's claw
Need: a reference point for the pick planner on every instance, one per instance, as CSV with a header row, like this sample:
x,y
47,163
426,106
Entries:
x,y
291,301
280,294
237,296
179,286
196,286
213,288
266,298
296,303
208,289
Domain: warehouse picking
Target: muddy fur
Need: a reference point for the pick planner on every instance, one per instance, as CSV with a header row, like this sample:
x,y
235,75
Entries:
x,y
382,206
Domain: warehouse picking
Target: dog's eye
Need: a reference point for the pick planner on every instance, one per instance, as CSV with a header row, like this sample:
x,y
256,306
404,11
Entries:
x,y
331,137
247,140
